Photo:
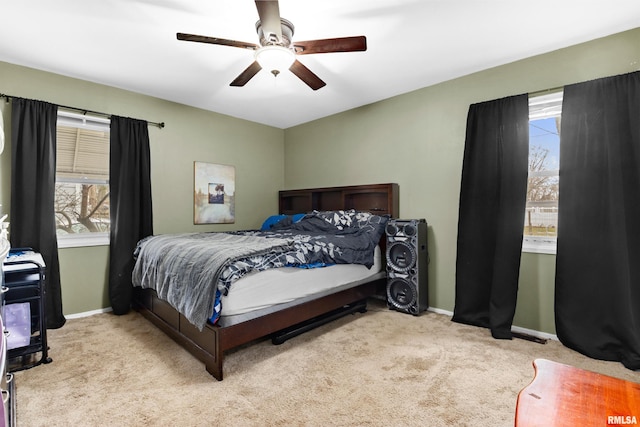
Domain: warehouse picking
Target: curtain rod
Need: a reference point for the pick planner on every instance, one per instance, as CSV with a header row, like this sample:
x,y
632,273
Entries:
x,y
547,91
83,110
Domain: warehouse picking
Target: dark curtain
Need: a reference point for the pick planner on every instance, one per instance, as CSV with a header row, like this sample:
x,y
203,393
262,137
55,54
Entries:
x,y
597,296
491,218
131,213
33,177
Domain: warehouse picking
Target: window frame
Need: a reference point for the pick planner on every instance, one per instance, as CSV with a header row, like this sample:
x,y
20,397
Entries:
x,y
83,121
543,106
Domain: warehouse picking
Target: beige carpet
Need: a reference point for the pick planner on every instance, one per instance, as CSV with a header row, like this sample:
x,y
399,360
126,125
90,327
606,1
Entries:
x,y
381,368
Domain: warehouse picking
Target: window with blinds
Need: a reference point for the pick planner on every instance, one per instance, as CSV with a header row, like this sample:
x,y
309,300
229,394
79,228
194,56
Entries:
x,y
82,180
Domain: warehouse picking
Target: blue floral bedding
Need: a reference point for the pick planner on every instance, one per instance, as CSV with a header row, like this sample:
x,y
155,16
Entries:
x,y
318,239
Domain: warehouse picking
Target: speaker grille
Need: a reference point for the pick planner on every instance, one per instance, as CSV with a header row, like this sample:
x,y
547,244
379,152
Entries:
x,y
401,256
391,229
402,294
409,230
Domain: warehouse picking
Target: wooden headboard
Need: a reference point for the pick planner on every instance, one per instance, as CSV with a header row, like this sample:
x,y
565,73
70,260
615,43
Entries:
x,y
379,199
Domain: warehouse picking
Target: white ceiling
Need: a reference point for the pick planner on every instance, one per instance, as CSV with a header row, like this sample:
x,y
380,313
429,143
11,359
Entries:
x,y
131,44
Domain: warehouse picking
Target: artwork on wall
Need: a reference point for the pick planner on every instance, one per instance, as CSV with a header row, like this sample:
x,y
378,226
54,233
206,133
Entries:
x,y
214,189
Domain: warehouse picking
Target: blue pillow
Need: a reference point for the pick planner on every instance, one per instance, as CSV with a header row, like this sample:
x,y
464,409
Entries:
x,y
269,222
274,219
297,217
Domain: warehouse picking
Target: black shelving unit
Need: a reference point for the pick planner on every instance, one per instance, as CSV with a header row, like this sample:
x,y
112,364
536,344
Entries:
x,y
24,276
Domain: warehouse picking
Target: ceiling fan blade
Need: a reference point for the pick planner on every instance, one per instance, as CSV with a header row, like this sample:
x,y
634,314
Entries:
x,y
269,12
342,44
247,74
216,40
306,75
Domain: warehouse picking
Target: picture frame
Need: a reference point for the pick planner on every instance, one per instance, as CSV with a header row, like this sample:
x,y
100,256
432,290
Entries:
x,y
213,193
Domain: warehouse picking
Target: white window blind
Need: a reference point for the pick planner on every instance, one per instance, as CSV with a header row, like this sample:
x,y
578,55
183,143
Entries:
x,y
82,148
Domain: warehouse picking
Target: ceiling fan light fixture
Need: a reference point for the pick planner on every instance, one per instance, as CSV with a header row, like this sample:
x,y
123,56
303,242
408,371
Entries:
x,y
275,58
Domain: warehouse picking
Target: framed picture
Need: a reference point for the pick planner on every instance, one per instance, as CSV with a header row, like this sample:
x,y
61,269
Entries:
x,y
214,189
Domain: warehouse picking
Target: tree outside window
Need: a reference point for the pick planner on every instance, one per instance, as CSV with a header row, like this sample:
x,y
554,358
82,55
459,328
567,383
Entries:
x,y
82,186
82,208
541,217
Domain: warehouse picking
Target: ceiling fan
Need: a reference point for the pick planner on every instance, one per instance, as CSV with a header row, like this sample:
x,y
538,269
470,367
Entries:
x,y
275,35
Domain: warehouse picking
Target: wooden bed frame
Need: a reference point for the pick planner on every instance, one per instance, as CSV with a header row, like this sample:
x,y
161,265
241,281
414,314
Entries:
x,y
210,344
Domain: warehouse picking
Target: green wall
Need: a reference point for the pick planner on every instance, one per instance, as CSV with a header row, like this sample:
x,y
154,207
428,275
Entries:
x,y
191,134
417,141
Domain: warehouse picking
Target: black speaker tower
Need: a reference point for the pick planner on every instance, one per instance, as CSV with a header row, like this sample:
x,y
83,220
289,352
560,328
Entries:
x,y
407,259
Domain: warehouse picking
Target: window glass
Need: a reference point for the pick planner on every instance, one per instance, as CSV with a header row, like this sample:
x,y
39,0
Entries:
x,y
82,180
541,217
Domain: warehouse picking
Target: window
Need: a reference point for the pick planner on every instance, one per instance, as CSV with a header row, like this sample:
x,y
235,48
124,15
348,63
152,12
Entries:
x,y
541,217
82,180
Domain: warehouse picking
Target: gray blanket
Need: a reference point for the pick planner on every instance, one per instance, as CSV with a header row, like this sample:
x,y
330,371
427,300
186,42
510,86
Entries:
x,y
184,268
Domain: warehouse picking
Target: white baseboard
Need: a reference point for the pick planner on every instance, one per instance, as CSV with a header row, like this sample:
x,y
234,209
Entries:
x,y
88,313
537,334
518,329
440,311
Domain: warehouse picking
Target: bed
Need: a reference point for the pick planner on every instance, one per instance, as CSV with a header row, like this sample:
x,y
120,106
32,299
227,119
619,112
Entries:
x,y
329,292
